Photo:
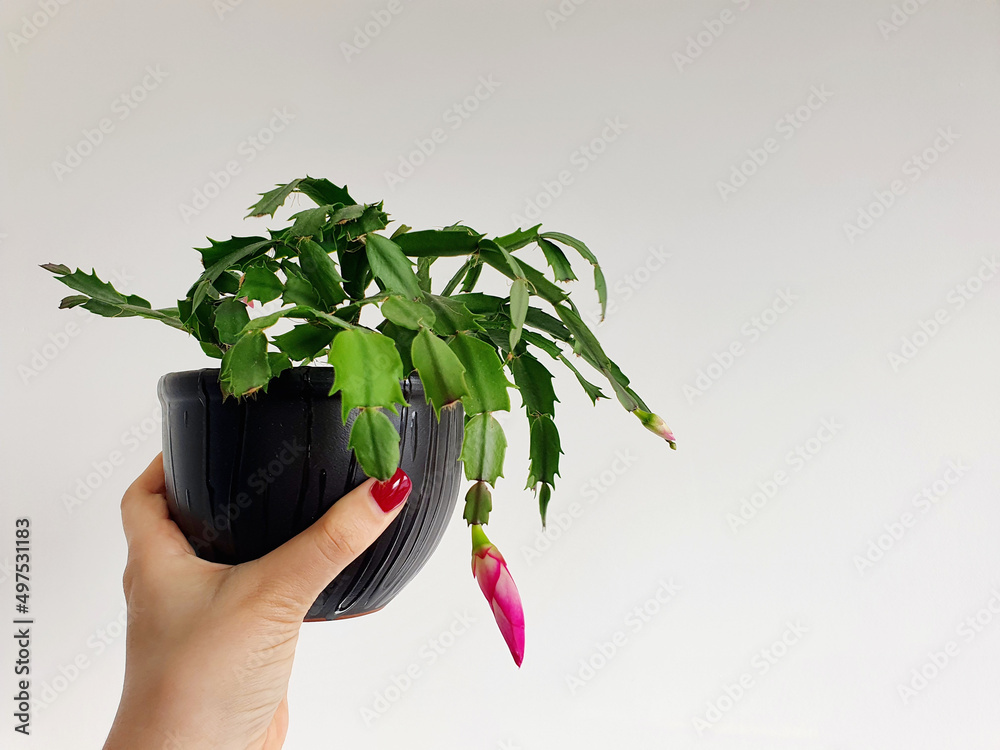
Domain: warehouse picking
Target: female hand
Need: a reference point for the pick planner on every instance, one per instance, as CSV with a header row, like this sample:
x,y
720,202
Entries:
x,y
209,647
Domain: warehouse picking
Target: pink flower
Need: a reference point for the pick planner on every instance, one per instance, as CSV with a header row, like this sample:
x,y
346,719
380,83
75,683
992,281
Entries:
x,y
655,424
490,569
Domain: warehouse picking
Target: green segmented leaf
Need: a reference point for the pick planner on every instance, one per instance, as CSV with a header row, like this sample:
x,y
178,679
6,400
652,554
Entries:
x,y
481,304
211,350
372,219
59,269
549,324
391,266
540,285
103,299
323,192
203,286
298,311
518,309
321,272
592,351
455,280
217,251
298,290
260,284
407,313
401,229
367,371
547,346
94,288
544,496
534,381
245,366
304,341
450,315
512,263
227,283
355,270
483,449
230,318
72,301
278,362
424,271
478,504
199,322
439,242
484,375
593,391
557,260
375,441
544,451
440,370
308,223
403,339
599,283
472,276
272,200
347,213
520,238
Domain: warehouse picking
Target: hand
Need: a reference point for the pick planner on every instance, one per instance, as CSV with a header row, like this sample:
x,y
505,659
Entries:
x,y
209,647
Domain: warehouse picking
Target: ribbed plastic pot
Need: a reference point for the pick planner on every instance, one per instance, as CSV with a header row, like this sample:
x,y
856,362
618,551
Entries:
x,y
245,476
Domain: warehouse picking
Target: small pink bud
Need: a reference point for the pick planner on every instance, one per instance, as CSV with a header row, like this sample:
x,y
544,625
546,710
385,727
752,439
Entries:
x,y
655,424
490,570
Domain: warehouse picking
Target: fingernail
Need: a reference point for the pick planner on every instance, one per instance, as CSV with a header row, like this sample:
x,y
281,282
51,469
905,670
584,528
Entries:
x,y
393,491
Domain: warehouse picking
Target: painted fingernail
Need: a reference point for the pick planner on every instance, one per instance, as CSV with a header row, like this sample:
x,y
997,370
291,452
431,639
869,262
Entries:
x,y
393,491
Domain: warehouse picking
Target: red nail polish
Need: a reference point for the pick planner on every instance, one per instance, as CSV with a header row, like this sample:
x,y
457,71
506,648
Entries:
x,y
393,491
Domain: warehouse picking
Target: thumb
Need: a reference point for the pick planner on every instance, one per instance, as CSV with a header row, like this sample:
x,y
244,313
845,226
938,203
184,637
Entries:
x,y
304,565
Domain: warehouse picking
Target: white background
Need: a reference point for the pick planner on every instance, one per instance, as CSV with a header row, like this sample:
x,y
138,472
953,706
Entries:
x,y
799,559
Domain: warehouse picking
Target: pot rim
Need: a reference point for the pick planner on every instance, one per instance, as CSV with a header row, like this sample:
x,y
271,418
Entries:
x,y
317,379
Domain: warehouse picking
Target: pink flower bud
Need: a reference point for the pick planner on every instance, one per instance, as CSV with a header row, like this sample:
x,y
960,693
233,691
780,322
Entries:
x,y
490,569
655,424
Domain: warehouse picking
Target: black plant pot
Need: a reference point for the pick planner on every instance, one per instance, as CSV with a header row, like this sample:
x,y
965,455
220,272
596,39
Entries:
x,y
244,477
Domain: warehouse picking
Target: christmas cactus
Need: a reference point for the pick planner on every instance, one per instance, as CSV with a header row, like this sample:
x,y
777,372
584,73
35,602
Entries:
x,y
327,266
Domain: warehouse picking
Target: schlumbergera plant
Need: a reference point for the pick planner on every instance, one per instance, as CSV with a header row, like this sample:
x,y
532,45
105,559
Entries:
x,y
329,264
